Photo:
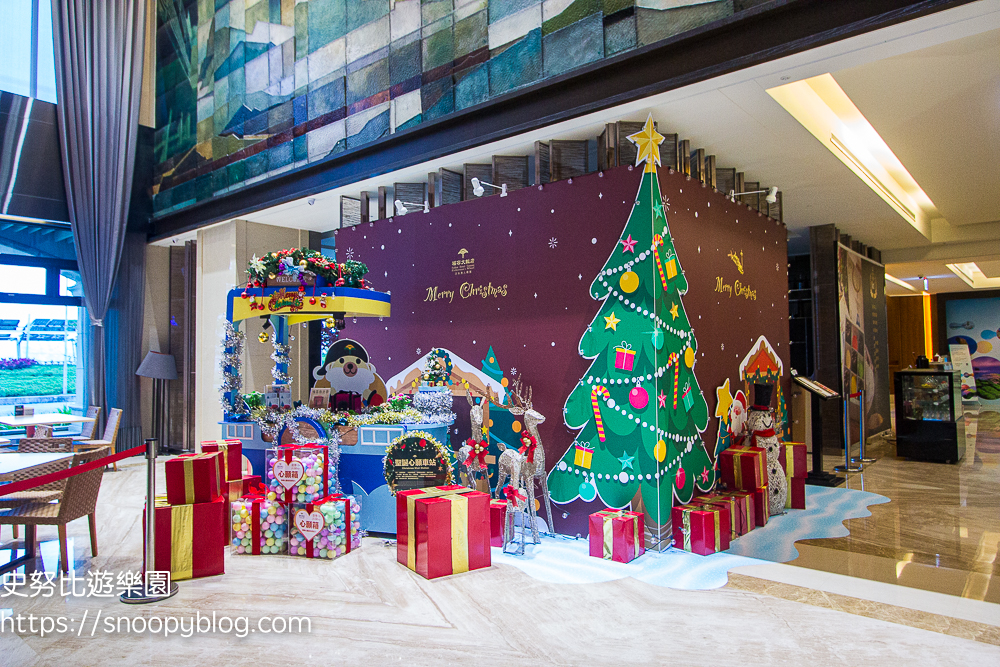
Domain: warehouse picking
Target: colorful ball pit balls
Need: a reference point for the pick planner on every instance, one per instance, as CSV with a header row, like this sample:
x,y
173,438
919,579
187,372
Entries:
x,y
331,541
310,487
273,526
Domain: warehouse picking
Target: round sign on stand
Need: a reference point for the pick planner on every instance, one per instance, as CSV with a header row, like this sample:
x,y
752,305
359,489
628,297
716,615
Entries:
x,y
416,460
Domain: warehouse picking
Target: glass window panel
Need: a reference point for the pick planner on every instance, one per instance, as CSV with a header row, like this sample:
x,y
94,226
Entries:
x,y
15,36
22,279
46,54
70,283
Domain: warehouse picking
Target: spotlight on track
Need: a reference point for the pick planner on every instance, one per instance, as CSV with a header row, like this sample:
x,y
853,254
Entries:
x,y
402,210
770,198
477,187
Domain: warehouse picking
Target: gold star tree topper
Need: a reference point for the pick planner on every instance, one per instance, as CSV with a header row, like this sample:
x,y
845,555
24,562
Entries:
x,y
647,141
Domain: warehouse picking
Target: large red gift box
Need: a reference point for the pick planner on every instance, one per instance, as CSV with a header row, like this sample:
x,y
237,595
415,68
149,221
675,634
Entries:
x,y
701,529
232,452
193,478
793,459
796,498
189,538
617,535
498,515
744,519
729,502
442,530
761,510
743,468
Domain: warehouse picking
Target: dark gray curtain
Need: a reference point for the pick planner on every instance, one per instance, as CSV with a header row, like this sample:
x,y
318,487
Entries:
x,y
98,59
123,353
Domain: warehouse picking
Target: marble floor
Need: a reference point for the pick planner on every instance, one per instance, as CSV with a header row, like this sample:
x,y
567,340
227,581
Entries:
x,y
941,530
365,608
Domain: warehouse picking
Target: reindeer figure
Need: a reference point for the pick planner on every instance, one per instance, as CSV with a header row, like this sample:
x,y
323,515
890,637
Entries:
x,y
533,466
470,455
517,500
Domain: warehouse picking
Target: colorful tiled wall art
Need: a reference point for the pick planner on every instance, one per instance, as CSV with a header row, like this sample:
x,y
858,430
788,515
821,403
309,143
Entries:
x,y
248,89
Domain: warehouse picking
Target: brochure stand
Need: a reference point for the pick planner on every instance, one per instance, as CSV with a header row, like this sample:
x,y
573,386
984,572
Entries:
x,y
818,392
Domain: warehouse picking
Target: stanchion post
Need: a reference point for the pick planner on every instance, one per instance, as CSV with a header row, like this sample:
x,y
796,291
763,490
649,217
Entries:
x,y
141,593
861,418
847,439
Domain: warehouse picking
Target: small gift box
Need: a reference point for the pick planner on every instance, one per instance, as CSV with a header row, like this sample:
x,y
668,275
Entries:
x,y
300,473
498,514
617,535
687,397
251,484
744,518
232,453
743,468
793,459
327,528
796,498
193,478
670,266
729,502
624,357
260,526
188,538
442,530
583,456
761,511
701,529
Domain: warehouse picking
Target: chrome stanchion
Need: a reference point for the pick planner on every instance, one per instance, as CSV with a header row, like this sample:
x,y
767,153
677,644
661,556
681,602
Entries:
x,y
847,440
861,458
142,594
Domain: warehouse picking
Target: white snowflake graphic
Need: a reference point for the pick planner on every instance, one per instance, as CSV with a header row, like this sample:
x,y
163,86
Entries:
x,y
350,253
419,352
513,371
553,242
666,203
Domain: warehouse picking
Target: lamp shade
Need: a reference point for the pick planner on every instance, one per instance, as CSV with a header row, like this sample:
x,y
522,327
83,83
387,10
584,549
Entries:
x,y
158,366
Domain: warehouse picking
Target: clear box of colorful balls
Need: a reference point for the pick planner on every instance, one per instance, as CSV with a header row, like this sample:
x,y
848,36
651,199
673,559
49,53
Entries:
x,y
296,512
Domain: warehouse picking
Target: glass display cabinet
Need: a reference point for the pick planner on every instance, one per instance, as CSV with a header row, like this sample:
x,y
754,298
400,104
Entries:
x,y
930,421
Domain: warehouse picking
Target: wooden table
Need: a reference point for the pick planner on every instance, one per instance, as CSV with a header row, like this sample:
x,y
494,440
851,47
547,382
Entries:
x,y
29,422
15,462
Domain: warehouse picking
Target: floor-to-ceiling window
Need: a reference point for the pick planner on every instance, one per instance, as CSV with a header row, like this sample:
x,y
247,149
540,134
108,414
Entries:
x,y
27,67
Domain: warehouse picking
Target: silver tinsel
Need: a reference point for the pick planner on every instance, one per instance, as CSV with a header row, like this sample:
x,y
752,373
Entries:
x,y
435,406
273,423
280,356
232,381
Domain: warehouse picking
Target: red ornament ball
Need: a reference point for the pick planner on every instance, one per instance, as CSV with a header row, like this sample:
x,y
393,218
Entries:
x,y
681,476
312,301
245,295
638,398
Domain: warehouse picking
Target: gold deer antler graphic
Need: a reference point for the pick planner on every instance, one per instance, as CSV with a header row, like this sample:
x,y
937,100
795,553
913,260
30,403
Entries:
x,y
738,261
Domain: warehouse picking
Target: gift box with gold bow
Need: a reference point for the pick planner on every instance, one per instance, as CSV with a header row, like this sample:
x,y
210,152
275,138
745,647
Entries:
x,y
796,498
617,535
792,457
701,529
194,478
232,453
729,502
189,538
743,468
744,519
442,530
761,511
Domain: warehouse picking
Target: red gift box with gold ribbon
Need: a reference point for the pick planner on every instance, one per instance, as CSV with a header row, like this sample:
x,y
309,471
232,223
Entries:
x,y
761,510
743,468
793,459
189,538
498,515
701,529
617,535
727,501
442,530
744,518
232,452
193,478
796,498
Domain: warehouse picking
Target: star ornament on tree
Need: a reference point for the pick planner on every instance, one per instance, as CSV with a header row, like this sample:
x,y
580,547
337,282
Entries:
x,y
647,141
611,322
628,245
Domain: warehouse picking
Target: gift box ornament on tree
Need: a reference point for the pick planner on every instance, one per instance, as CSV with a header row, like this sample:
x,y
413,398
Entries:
x,y
617,535
641,449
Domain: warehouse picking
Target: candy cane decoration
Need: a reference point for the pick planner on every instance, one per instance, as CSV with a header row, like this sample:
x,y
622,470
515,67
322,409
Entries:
x,y
599,390
674,360
658,241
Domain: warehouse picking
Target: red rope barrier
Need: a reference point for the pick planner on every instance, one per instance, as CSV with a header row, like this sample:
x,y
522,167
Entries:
x,y
856,394
24,485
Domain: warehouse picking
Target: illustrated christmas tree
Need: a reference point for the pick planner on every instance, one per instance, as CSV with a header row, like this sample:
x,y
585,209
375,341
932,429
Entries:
x,y
639,408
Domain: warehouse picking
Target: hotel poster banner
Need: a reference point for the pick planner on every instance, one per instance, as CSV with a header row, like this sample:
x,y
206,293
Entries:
x,y
864,335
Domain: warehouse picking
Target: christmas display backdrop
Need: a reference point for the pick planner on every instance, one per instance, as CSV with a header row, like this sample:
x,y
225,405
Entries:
x,y
510,285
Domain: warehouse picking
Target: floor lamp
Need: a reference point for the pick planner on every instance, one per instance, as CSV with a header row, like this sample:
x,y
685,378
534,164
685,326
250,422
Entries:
x,y
160,367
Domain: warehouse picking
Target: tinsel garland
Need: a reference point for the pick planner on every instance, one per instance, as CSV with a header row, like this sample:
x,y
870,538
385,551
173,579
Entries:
x,y
293,262
387,417
232,381
280,356
435,406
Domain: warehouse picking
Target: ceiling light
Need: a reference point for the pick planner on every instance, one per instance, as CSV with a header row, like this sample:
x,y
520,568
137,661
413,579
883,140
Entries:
x,y
973,275
823,108
477,187
894,279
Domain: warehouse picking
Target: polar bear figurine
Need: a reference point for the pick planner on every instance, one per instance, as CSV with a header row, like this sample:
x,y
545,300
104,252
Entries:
x,y
760,429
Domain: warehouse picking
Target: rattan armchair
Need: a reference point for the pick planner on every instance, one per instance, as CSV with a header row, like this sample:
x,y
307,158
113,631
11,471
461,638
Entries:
x,y
87,429
79,499
46,445
110,435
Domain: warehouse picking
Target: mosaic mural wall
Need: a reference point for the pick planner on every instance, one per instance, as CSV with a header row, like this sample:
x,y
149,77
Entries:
x,y
248,89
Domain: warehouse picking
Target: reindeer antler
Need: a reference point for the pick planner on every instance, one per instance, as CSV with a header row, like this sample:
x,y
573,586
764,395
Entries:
x,y
517,395
488,395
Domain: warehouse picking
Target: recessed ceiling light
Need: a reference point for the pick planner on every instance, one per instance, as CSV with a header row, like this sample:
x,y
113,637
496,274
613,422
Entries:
x,y
973,275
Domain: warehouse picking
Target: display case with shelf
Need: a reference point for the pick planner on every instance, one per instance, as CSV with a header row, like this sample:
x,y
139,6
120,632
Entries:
x,y
930,422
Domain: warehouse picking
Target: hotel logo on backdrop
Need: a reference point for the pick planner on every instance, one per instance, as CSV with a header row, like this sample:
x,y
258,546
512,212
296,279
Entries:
x,y
463,266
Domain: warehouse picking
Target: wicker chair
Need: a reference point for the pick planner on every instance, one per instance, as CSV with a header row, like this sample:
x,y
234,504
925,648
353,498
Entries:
x,y
46,445
47,492
88,428
110,435
41,431
79,499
